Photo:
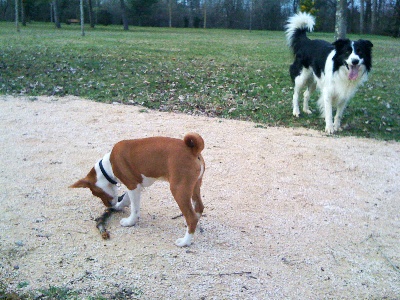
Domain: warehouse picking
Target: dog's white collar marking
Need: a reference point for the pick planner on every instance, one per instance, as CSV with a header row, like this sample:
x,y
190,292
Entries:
x,y
102,181
105,174
107,166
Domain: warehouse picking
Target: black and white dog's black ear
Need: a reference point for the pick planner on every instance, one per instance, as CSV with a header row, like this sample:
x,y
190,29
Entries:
x,y
366,43
340,43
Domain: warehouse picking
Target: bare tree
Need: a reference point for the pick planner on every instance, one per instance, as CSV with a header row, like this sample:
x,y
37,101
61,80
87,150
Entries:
x,y
91,14
362,5
205,14
396,31
124,15
250,15
295,5
367,16
170,13
16,15
340,23
4,8
23,16
51,12
189,4
374,14
56,16
82,19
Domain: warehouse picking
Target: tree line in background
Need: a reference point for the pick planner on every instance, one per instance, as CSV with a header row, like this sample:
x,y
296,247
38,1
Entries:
x,y
360,16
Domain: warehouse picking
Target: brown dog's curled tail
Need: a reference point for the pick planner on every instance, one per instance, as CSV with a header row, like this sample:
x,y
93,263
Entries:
x,y
194,141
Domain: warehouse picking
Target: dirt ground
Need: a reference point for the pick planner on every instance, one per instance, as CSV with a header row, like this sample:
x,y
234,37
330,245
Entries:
x,y
289,213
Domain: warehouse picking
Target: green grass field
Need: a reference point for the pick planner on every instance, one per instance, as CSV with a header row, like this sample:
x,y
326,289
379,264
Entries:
x,y
224,73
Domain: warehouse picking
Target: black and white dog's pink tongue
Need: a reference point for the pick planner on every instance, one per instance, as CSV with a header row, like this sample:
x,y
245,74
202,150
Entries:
x,y
353,72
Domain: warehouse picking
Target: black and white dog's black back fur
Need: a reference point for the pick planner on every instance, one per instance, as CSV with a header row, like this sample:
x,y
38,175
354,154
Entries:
x,y
337,69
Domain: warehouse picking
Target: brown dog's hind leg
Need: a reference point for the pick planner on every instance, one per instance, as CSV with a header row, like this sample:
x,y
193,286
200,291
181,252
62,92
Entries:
x,y
197,202
182,195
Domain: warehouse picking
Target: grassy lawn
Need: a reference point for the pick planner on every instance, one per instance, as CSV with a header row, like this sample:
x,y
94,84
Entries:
x,y
62,293
224,73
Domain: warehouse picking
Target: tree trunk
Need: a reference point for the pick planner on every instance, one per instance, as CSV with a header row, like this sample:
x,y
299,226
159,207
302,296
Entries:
x,y
170,13
82,19
350,25
91,14
97,4
340,24
250,15
190,13
51,12
368,15
16,15
396,31
124,16
23,17
362,16
4,8
295,5
56,17
374,14
205,14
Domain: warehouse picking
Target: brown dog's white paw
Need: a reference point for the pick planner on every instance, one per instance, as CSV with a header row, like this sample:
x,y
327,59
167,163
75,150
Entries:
x,y
127,222
185,241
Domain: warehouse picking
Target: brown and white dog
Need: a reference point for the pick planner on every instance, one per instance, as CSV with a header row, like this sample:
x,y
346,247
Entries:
x,y
139,163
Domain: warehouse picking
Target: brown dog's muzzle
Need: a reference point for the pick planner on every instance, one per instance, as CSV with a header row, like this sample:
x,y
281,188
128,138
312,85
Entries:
x,y
106,198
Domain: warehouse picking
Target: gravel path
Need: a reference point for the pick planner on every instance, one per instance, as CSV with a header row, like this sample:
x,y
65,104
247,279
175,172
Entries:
x,y
289,213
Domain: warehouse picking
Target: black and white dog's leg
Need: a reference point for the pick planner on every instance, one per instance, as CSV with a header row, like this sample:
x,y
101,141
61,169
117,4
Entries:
x,y
310,89
327,112
339,114
297,88
300,81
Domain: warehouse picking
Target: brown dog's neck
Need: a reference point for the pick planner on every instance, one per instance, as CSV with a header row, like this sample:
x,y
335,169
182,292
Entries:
x,y
103,171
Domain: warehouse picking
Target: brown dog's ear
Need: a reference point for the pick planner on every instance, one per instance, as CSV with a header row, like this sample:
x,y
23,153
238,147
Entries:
x,y
82,183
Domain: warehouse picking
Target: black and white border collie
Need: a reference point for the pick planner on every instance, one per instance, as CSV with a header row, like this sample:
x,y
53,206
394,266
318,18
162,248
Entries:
x,y
337,69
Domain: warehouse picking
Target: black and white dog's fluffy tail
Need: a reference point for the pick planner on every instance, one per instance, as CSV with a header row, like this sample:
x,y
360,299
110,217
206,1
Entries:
x,y
297,27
